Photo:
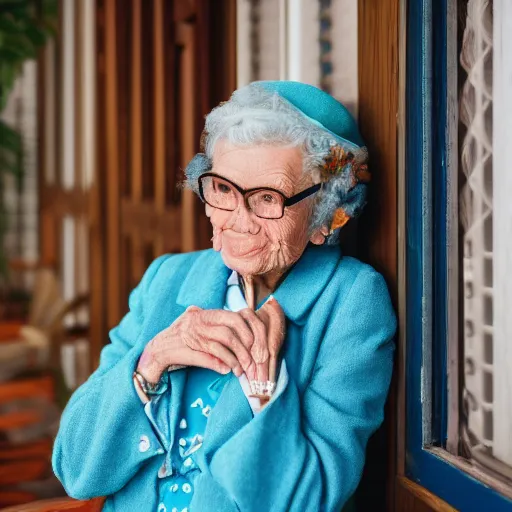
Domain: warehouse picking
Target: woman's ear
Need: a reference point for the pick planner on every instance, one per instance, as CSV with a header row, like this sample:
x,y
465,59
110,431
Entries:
x,y
318,236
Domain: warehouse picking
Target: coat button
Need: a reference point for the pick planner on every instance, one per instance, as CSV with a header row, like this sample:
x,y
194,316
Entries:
x,y
144,444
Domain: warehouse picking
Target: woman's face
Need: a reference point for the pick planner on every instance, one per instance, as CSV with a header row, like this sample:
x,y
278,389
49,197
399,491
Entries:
x,y
249,244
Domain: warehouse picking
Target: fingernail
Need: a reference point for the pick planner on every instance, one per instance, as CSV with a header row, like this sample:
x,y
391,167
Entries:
x,y
225,369
237,371
270,297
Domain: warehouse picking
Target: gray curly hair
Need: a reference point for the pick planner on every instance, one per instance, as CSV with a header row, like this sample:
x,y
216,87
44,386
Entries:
x,y
255,116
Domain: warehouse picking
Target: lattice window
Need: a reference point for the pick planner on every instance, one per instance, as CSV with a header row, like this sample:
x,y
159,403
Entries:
x,y
481,410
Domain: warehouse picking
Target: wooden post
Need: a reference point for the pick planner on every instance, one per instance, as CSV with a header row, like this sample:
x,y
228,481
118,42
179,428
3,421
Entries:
x,y
113,284
136,134
378,111
159,117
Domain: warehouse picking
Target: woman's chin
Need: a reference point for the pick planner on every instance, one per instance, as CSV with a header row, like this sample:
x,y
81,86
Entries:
x,y
245,263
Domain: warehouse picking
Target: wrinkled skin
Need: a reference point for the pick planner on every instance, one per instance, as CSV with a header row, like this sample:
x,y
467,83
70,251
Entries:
x,y
261,251
262,248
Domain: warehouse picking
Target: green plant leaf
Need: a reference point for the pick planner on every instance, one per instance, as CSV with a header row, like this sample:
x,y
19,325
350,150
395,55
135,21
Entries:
x,y
8,25
9,137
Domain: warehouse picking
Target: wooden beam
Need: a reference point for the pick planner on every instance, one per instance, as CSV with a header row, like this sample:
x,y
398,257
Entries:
x,y
411,497
185,37
41,70
184,10
96,217
113,283
142,219
136,132
60,202
378,111
159,115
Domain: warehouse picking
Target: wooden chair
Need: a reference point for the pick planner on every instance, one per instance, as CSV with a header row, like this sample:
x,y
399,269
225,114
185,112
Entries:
x,y
25,453
29,393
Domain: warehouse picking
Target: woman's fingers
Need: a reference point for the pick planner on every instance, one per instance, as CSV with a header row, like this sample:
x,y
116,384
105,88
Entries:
x,y
276,325
259,349
191,357
261,354
224,354
225,336
273,317
223,318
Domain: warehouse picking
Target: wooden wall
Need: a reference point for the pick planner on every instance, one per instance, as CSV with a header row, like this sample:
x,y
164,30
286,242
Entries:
x,y
156,74
155,62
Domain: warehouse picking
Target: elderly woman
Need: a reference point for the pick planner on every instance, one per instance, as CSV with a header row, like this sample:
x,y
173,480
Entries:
x,y
248,377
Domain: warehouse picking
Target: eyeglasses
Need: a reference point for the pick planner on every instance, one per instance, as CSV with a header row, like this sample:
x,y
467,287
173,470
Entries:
x,y
266,203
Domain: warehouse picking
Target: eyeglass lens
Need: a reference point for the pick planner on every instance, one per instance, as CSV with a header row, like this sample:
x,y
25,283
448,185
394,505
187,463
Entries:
x,y
222,194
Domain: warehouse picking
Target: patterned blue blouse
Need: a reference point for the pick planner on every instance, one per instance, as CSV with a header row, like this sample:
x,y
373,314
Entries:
x,y
202,389
199,399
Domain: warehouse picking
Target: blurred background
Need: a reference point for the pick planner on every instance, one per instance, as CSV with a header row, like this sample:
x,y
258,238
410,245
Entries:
x,y
101,107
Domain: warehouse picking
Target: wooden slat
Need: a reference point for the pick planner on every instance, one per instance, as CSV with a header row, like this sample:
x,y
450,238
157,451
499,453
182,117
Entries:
x,y
230,48
112,169
123,96
42,449
411,497
207,89
78,86
23,471
15,498
136,134
58,96
19,419
41,70
81,253
48,239
184,10
28,388
171,149
136,102
59,202
159,115
97,325
143,219
185,37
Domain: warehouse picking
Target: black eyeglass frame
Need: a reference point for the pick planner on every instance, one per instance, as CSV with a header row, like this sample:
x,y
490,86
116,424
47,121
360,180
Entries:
x,y
288,201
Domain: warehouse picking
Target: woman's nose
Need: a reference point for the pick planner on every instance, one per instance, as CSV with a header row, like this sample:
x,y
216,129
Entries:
x,y
242,220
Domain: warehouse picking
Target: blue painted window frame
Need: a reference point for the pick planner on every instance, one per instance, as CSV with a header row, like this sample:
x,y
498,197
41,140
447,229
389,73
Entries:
x,y
426,259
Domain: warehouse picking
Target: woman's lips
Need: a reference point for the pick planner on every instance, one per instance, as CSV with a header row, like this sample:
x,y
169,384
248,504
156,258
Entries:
x,y
241,244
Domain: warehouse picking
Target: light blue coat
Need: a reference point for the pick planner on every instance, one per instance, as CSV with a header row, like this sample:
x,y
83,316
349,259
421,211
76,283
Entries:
x,y
304,452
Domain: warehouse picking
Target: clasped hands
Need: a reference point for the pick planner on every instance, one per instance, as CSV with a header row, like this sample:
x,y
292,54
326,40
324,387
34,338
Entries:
x,y
244,342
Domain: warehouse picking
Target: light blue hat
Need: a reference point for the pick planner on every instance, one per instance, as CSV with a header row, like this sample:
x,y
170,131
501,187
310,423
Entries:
x,y
318,107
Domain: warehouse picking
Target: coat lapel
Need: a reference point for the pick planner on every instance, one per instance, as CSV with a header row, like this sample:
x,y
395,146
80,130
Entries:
x,y
306,281
231,413
206,282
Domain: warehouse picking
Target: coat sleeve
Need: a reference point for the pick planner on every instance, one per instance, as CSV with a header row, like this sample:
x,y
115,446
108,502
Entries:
x,y
307,452
104,435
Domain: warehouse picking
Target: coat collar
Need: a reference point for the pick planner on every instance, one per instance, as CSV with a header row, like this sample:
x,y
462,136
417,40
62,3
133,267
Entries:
x,y
206,282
